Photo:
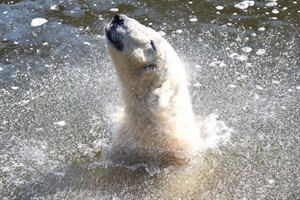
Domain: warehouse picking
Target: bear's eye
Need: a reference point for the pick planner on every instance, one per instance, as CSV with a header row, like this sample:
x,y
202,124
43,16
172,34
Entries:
x,y
153,45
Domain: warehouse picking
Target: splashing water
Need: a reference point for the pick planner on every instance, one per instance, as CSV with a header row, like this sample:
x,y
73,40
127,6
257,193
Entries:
x,y
214,133
57,90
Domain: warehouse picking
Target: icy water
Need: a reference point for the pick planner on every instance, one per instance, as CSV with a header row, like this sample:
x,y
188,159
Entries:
x,y
59,90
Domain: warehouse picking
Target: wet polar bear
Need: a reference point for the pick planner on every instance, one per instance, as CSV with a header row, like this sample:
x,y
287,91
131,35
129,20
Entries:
x,y
158,126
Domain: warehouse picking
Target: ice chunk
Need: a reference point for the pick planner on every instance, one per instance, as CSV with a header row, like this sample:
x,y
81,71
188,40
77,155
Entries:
x,y
271,4
219,7
54,7
87,43
114,9
244,4
275,11
194,19
38,21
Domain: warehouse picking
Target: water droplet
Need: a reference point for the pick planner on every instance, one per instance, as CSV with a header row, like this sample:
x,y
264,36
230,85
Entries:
x,y
260,52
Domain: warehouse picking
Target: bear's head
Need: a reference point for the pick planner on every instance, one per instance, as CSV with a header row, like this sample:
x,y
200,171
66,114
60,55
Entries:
x,y
140,54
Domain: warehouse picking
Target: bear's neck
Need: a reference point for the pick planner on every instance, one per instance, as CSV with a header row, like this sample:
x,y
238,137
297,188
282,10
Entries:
x,y
161,102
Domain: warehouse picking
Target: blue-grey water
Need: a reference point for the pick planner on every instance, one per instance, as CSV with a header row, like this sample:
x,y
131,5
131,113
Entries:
x,y
58,90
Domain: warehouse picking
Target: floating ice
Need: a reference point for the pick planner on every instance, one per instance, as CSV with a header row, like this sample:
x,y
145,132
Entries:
x,y
87,43
60,123
260,52
261,29
114,9
38,21
275,11
14,87
244,4
194,19
1,69
54,7
219,7
271,4
247,49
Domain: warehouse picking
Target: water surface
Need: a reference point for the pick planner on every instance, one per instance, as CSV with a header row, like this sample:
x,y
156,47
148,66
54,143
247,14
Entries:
x,y
58,90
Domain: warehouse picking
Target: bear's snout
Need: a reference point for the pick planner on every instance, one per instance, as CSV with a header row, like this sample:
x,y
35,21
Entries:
x,y
119,19
111,31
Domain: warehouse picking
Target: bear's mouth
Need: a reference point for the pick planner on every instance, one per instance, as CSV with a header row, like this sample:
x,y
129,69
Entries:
x,y
112,34
113,38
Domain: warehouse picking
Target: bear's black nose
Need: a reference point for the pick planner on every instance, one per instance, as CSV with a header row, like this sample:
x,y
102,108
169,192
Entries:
x,y
118,19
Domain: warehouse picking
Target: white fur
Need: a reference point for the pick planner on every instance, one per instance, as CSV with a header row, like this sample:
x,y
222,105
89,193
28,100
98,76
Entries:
x,y
158,125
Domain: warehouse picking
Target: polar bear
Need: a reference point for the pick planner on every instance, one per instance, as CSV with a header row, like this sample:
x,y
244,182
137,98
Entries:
x,y
158,125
